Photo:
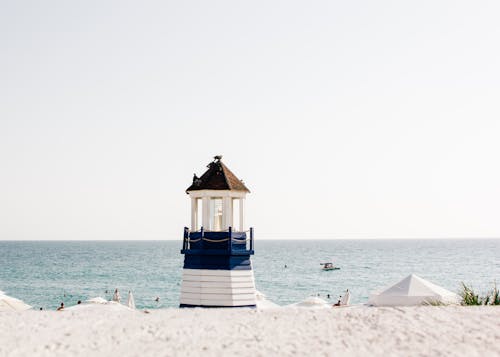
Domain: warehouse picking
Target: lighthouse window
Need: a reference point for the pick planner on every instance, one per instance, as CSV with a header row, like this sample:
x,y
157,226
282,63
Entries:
x,y
216,214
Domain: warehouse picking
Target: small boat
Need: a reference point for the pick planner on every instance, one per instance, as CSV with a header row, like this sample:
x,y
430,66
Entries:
x,y
329,266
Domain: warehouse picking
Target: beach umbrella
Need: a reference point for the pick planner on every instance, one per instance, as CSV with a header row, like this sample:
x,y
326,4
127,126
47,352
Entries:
x,y
97,300
411,291
130,300
109,306
98,304
346,298
312,302
262,302
8,303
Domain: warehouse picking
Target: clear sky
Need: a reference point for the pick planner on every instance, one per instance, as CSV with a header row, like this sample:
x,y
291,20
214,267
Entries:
x,y
346,119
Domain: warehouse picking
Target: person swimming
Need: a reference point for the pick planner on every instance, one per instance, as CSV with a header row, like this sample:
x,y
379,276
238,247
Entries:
x,y
60,307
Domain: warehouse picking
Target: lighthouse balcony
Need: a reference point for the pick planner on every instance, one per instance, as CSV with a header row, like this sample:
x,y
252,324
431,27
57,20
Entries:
x,y
226,242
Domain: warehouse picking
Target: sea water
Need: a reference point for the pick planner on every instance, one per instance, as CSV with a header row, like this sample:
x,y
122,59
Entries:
x,y
46,273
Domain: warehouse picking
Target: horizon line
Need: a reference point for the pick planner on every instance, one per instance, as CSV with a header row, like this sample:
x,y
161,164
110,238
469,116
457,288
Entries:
x,y
264,239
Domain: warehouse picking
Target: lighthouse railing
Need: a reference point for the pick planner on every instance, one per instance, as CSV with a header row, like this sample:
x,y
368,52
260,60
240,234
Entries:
x,y
186,238
209,242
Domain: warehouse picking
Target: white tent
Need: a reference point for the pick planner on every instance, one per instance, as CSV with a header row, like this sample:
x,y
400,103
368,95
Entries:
x,y
411,291
8,303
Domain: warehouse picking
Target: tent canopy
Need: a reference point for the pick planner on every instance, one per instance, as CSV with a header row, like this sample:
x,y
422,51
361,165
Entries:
x,y
312,302
8,303
96,304
413,290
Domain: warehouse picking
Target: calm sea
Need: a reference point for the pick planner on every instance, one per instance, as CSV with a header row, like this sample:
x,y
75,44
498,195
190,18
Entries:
x,y
44,274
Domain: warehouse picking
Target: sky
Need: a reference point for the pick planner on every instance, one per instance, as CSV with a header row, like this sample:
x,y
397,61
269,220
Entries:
x,y
346,119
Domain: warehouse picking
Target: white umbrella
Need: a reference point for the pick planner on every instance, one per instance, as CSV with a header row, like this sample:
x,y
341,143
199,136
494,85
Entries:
x,y
346,298
97,300
8,303
312,302
130,300
262,302
89,306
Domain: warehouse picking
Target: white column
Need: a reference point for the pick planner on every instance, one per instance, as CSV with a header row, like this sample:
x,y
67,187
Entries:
x,y
242,214
227,212
206,213
194,213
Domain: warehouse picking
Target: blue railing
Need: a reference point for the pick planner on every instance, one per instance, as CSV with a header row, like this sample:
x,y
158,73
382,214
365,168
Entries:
x,y
213,242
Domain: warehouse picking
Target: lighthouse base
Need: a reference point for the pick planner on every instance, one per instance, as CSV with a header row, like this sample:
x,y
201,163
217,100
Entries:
x,y
217,288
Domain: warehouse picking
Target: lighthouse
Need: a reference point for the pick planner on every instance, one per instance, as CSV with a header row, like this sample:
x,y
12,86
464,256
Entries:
x,y
217,247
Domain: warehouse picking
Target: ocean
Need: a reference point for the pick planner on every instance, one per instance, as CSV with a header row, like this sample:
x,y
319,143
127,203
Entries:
x,y
46,273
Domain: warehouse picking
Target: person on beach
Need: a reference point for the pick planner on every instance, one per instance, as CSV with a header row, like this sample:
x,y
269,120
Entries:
x,y
60,307
79,302
338,302
116,296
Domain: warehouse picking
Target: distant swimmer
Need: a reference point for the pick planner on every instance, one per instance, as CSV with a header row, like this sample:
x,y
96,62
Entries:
x,y
157,299
79,302
60,307
285,266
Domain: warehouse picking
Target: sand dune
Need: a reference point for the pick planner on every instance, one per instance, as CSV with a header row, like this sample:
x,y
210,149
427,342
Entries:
x,y
409,331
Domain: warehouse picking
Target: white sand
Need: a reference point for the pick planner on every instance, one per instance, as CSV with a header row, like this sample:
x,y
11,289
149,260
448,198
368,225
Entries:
x,y
410,331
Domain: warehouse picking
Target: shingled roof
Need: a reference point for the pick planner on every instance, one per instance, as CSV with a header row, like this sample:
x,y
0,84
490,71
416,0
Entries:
x,y
217,177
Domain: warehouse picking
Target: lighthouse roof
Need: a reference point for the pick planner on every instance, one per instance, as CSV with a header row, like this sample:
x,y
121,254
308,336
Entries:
x,y
217,177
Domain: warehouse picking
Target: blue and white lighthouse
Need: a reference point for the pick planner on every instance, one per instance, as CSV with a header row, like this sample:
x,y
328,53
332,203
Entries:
x,y
217,248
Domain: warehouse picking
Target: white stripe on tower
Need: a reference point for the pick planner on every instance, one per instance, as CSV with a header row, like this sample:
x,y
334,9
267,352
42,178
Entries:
x,y
205,287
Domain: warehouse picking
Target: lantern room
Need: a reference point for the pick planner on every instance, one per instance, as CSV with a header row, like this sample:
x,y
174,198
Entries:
x,y
217,199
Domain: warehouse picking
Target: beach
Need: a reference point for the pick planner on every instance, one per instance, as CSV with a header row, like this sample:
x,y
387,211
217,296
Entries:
x,y
351,331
